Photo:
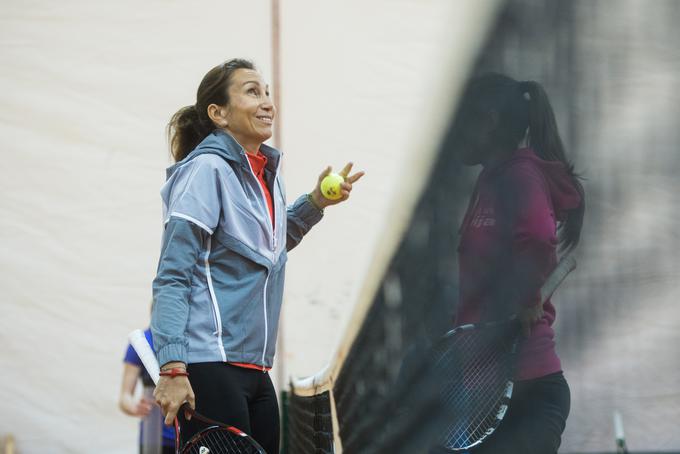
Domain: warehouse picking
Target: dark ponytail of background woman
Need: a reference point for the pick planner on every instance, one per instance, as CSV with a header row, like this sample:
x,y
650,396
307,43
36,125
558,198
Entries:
x,y
191,124
520,112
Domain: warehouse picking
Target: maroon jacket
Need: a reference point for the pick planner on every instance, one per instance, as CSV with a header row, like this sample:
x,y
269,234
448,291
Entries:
x,y
508,248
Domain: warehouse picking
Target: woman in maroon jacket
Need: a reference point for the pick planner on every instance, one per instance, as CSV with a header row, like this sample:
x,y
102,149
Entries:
x,y
527,202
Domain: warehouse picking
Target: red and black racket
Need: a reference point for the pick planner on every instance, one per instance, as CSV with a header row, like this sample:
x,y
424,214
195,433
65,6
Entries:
x,y
217,438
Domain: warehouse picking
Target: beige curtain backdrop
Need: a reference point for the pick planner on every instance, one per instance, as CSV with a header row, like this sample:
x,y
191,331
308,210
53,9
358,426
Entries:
x,y
87,88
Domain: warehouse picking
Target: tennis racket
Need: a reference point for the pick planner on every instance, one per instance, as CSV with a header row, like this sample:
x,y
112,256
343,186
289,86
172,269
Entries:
x,y
476,365
217,438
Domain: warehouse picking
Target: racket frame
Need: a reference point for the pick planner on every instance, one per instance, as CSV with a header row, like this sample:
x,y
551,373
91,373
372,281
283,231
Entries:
x,y
565,266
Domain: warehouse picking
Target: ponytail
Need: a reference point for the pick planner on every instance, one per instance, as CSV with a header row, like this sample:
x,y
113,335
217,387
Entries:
x,y
185,131
545,140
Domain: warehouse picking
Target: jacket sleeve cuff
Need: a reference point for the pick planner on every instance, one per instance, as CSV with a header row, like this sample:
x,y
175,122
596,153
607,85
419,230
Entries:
x,y
172,352
307,211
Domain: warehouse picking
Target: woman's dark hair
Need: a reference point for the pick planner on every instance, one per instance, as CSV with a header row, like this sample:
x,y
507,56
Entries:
x,y
518,106
191,124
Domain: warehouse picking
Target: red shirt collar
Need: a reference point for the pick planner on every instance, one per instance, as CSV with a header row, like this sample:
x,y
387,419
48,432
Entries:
x,y
257,161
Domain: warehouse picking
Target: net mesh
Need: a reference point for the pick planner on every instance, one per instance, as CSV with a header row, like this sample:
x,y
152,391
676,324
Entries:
x,y
311,425
611,72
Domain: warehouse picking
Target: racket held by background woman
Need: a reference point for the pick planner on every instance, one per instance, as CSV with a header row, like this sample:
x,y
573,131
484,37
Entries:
x,y
476,364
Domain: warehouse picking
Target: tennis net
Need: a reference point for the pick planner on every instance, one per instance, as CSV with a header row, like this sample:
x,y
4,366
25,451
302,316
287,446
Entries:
x,y
600,61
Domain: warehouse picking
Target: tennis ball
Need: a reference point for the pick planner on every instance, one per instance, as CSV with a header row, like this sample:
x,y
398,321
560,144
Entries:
x,y
330,186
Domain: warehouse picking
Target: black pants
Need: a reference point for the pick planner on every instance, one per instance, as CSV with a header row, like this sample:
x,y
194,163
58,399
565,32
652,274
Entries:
x,y
535,420
240,397
164,450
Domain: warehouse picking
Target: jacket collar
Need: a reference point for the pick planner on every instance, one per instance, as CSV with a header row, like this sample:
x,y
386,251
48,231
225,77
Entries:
x,y
223,144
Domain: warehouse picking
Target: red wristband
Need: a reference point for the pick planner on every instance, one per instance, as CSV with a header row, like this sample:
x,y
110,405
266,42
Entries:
x,y
174,372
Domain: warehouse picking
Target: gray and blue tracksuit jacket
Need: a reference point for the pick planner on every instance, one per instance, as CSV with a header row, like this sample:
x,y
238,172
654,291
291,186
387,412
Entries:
x,y
219,285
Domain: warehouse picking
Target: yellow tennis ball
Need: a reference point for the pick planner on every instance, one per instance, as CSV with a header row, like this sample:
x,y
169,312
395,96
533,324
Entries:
x,y
330,186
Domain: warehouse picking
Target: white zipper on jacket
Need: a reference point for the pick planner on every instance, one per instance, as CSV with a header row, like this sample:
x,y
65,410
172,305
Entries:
x,y
277,216
273,232
270,226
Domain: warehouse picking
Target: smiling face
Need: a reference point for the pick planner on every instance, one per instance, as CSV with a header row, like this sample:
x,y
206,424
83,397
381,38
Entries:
x,y
249,116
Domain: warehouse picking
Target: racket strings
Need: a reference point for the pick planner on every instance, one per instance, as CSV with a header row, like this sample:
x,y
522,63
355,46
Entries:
x,y
219,440
475,367
460,433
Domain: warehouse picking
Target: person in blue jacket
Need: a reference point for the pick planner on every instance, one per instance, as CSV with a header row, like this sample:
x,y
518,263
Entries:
x,y
154,437
219,284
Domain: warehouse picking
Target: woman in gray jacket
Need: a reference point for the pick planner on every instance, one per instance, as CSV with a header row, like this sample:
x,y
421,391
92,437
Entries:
x,y
219,285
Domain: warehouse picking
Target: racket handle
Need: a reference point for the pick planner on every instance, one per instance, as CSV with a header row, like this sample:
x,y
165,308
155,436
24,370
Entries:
x,y
566,265
621,447
146,355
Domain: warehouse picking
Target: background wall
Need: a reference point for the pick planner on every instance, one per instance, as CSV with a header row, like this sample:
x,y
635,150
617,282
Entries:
x,y
87,90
